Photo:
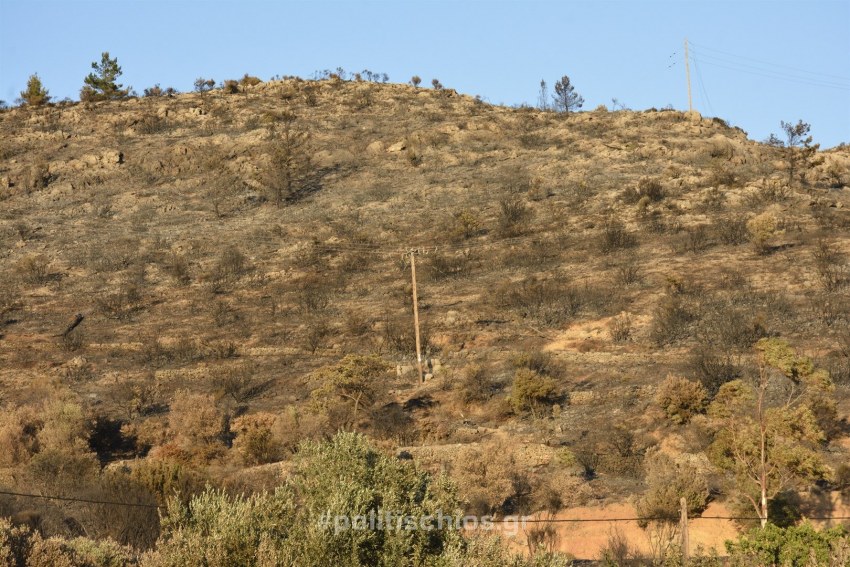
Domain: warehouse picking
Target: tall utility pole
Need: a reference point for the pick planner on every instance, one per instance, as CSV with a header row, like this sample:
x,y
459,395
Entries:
x,y
416,315
688,73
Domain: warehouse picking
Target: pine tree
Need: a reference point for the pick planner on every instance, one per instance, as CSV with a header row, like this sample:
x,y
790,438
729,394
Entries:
x,y
36,94
101,84
565,98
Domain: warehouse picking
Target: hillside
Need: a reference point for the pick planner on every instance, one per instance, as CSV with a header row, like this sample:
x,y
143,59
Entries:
x,y
231,253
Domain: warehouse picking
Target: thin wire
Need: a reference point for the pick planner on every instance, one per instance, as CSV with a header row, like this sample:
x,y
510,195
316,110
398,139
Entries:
x,y
711,60
702,86
771,75
84,500
527,520
798,69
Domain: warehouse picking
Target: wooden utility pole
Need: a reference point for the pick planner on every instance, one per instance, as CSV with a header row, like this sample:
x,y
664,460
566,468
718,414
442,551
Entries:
x,y
416,315
688,74
684,503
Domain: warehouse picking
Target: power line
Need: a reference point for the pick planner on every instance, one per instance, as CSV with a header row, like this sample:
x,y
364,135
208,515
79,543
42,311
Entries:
x,y
767,63
525,520
83,500
768,72
702,88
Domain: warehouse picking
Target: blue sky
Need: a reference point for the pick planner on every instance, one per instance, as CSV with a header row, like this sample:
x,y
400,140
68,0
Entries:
x,y
754,63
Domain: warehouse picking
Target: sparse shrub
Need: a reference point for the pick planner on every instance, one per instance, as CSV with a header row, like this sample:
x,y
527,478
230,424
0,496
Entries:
x,y
36,94
230,86
712,369
33,269
289,171
514,216
731,230
649,188
177,267
476,384
620,328
239,383
255,438
680,398
466,225
628,272
531,392
541,362
830,266
446,266
761,229
438,86
249,81
695,239
197,423
121,303
615,237
658,507
203,85
671,320
565,98
415,80
158,91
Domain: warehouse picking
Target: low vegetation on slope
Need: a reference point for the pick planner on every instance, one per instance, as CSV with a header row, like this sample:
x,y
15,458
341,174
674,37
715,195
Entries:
x,y
196,285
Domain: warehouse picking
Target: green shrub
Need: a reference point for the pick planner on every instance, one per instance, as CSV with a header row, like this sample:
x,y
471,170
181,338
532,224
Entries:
x,y
680,398
531,392
343,477
795,546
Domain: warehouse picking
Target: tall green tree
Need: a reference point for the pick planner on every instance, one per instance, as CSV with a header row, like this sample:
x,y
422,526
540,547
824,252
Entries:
x,y
36,94
102,83
768,434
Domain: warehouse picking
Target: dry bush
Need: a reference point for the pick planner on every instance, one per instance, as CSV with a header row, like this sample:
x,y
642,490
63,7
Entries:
x,y
483,476
514,217
315,295
465,224
444,265
477,384
732,323
9,299
538,361
618,552
241,383
830,266
712,368
672,320
628,272
620,328
255,439
167,479
761,229
613,450
392,422
18,435
731,230
553,302
614,237
121,303
178,268
230,266
647,190
680,398
198,424
34,269
693,239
